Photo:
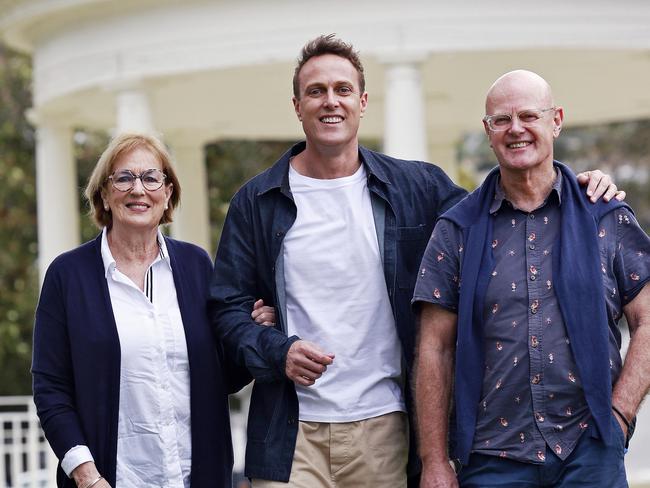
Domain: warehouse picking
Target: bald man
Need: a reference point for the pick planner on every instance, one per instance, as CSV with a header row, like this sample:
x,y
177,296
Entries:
x,y
519,295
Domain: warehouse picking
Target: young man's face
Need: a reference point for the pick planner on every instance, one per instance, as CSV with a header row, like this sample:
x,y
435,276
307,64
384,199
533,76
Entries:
x,y
330,104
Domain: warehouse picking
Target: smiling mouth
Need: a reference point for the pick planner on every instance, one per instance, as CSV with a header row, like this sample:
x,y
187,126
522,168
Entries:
x,y
518,145
331,119
137,206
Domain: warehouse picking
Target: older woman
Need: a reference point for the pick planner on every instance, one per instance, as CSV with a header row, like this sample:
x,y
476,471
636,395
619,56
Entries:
x,y
129,385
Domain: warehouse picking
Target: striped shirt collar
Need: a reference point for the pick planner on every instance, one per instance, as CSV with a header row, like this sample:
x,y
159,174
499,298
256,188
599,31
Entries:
x,y
109,260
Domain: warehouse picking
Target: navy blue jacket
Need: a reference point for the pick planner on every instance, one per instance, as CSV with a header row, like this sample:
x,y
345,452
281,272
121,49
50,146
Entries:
x,y
407,199
76,363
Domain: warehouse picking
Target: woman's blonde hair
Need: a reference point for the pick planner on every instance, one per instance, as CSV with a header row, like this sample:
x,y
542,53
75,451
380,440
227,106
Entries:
x,y
119,146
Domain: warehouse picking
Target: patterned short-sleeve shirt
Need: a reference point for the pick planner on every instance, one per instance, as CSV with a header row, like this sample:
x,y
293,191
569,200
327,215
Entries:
x,y
532,394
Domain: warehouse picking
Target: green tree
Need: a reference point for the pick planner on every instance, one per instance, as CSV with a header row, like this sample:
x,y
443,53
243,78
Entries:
x,y
88,147
621,149
18,239
229,165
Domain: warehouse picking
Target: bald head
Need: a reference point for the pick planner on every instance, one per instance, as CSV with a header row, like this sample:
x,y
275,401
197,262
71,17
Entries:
x,y
522,122
517,85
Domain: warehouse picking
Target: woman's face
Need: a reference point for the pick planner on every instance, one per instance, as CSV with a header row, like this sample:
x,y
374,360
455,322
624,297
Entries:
x,y
137,208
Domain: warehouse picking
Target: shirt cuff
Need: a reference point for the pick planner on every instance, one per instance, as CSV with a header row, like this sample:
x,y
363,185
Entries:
x,y
75,457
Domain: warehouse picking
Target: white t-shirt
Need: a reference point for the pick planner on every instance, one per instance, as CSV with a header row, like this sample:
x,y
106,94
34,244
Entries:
x,y
337,298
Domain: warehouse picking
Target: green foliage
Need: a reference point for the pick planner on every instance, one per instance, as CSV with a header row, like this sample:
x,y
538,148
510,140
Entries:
x,y
18,242
229,165
622,150
88,147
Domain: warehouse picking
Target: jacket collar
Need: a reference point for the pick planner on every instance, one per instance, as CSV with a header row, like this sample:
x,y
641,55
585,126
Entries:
x,y
373,165
277,177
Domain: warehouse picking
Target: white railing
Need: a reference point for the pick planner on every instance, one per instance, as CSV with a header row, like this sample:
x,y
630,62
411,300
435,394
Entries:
x,y
26,460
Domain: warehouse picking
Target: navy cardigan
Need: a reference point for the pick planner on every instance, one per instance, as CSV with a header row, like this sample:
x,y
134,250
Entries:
x,y
76,363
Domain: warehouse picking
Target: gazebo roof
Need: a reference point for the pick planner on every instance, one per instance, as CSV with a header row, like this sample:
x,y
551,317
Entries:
x,y
223,68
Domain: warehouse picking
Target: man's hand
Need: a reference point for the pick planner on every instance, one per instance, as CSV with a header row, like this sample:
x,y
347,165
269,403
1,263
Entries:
x,y
599,185
263,315
306,362
438,475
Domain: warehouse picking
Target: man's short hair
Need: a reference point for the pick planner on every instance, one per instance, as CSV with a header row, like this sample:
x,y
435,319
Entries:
x,y
328,45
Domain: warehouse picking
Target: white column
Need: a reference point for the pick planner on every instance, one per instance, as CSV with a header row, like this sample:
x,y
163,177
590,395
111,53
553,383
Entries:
x,y
57,193
192,219
405,127
133,111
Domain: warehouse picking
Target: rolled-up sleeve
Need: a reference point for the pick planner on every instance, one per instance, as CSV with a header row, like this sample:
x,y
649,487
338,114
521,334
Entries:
x,y
438,280
632,256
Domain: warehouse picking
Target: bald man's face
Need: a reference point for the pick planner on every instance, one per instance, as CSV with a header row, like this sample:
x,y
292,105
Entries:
x,y
524,144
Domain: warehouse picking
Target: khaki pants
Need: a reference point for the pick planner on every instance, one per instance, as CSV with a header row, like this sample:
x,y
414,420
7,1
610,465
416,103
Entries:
x,y
367,453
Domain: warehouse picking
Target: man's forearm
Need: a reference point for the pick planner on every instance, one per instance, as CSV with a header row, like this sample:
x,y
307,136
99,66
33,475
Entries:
x,y
434,380
433,386
260,349
634,380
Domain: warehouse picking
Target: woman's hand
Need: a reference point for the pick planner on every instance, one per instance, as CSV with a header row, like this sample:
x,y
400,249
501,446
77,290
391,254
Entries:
x,y
85,476
263,315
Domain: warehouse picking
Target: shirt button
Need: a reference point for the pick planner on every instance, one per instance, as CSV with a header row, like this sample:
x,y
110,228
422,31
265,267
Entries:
x,y
532,216
533,277
291,421
531,246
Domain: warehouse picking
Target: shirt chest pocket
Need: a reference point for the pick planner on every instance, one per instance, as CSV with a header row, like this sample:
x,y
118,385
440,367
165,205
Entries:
x,y
411,242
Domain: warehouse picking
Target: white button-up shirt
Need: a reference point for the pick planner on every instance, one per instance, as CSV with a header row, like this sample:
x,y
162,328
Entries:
x,y
154,437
